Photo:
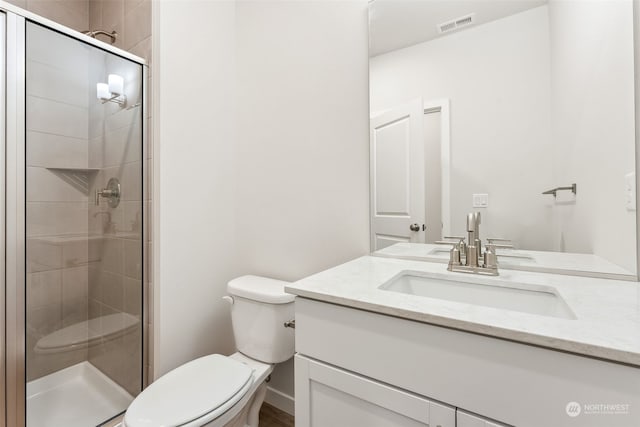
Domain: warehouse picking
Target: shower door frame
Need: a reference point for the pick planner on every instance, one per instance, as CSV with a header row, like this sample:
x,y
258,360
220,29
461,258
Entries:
x,y
15,228
13,207
3,128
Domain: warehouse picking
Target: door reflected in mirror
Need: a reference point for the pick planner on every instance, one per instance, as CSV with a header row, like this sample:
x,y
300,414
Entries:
x,y
520,110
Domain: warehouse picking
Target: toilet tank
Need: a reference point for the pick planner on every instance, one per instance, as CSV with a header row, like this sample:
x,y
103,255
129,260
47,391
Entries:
x,y
259,309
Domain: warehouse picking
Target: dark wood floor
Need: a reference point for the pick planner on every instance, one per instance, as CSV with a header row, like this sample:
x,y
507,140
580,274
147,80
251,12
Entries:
x,y
269,417
274,417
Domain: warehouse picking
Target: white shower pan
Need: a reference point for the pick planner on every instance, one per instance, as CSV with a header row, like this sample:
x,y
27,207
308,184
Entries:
x,y
78,396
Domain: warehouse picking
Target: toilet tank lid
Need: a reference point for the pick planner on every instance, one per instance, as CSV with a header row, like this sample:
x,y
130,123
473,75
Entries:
x,y
262,289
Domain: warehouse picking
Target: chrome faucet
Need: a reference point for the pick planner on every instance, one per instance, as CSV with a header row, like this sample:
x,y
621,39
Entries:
x,y
473,228
465,257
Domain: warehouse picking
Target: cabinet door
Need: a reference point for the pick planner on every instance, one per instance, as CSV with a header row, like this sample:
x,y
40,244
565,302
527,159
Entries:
x,y
330,397
465,419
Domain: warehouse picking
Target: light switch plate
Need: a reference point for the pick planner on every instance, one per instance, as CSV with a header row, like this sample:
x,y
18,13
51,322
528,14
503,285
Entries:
x,y
480,200
630,191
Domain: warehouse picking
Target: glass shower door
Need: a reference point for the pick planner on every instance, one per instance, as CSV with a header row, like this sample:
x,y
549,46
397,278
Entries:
x,y
84,247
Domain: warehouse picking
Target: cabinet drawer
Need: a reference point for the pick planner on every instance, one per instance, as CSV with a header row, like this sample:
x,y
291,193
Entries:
x,y
330,397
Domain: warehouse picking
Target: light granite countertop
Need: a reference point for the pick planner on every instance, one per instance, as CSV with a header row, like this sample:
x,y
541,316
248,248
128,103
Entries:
x,y
607,323
519,259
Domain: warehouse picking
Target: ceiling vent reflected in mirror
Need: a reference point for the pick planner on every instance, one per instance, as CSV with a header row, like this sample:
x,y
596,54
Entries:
x,y
397,24
456,24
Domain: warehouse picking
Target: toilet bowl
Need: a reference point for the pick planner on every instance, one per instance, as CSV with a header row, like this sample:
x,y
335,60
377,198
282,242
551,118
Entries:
x,y
217,390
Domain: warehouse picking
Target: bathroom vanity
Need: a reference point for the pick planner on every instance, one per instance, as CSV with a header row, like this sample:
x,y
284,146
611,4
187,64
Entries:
x,y
478,110
393,342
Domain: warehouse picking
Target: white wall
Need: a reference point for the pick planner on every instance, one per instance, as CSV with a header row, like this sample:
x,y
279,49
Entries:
x,y
195,247
593,125
263,156
497,78
302,159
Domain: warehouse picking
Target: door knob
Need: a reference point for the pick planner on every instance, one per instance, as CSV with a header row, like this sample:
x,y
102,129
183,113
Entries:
x,y
414,227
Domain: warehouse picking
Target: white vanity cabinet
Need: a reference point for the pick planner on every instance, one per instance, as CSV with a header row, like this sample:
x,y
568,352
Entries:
x,y
357,368
330,397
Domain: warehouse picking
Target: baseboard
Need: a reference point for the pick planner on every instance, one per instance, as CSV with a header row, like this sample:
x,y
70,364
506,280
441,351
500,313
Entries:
x,y
280,400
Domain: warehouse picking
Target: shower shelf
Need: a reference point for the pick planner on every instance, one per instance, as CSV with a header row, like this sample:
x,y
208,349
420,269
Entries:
x,y
78,178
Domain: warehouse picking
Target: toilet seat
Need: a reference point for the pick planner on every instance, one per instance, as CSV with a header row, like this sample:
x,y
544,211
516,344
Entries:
x,y
192,394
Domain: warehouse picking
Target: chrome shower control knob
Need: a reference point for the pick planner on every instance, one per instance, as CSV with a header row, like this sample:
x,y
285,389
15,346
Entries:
x,y
111,193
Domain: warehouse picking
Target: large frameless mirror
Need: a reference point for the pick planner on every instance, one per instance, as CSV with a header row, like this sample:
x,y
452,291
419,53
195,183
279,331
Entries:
x,y
522,111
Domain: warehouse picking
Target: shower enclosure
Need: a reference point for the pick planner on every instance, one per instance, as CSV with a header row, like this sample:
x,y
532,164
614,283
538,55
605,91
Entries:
x,y
74,214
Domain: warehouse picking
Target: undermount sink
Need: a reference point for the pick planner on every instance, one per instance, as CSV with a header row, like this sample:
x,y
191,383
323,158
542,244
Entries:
x,y
525,298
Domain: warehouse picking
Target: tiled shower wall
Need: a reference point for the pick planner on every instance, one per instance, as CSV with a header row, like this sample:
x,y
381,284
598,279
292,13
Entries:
x,y
115,283
131,19
70,13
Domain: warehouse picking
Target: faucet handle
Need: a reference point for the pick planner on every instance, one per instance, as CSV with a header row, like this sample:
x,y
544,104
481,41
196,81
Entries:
x,y
459,243
490,257
453,240
454,253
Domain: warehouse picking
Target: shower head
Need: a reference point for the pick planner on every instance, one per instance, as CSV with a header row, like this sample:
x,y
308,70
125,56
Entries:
x,y
93,33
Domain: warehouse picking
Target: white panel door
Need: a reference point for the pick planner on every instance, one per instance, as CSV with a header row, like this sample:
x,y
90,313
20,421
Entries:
x,y
397,176
330,397
466,419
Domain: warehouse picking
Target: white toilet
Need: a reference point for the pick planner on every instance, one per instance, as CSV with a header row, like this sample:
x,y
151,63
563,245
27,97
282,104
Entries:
x,y
218,390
